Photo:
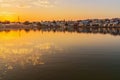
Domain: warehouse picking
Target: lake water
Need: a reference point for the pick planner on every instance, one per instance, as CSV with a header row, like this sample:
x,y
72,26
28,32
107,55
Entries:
x,y
42,55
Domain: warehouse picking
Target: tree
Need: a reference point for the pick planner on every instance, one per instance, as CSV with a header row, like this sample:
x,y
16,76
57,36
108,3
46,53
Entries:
x,y
26,23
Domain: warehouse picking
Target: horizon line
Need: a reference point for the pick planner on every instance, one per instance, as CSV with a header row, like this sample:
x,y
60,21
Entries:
x,y
59,20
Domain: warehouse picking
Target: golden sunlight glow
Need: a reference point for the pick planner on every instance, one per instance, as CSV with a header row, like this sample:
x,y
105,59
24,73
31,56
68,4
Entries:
x,y
37,10
9,36
8,16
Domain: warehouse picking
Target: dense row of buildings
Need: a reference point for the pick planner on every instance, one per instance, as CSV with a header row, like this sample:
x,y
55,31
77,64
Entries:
x,y
115,22
89,23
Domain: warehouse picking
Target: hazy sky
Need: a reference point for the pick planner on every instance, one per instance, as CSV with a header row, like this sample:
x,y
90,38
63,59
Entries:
x,y
35,10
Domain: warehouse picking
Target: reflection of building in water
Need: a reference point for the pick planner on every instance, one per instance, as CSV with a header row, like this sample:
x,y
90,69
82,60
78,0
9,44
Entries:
x,y
112,31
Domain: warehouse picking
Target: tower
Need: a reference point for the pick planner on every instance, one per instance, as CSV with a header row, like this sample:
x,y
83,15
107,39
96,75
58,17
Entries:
x,y
18,19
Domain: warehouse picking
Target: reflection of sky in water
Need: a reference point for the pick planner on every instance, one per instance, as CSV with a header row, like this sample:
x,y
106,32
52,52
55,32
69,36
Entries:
x,y
23,49
16,51
13,56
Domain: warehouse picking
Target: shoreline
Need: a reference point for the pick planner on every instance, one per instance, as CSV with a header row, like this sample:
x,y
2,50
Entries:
x,y
88,23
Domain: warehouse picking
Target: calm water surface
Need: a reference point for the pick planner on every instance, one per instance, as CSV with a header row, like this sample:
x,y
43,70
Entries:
x,y
37,55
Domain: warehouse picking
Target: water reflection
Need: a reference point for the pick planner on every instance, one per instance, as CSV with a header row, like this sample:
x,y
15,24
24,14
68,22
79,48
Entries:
x,y
12,55
112,31
58,54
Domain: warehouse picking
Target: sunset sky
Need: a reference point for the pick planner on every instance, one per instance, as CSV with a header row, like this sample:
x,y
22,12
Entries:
x,y
37,10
